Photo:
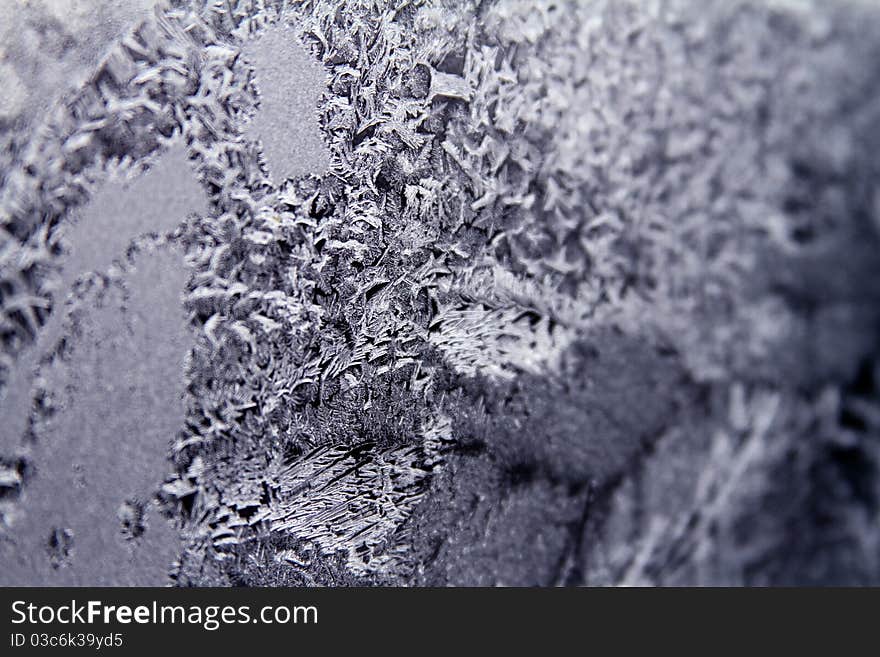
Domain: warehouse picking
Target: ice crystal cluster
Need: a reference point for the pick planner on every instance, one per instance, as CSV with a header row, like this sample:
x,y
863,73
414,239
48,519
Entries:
x,y
413,292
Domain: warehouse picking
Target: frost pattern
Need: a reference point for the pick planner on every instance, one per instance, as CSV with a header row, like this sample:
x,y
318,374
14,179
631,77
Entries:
x,y
511,214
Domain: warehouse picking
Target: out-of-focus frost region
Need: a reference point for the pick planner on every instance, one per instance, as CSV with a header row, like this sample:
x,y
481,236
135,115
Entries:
x,y
358,292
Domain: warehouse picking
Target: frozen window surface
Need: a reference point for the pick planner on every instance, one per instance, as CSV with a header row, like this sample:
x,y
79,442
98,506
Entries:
x,y
290,83
88,515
